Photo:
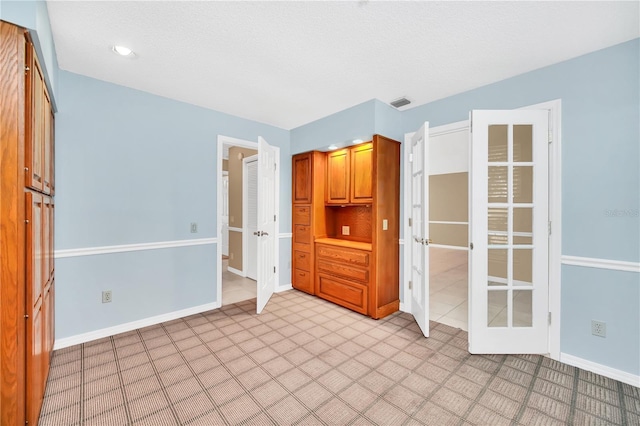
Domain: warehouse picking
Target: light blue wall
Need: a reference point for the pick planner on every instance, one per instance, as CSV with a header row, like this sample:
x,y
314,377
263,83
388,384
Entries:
x,y
602,295
33,15
357,122
132,167
600,95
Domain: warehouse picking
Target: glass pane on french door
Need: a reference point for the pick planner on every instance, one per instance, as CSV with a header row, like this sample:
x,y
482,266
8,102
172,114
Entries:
x,y
509,271
509,206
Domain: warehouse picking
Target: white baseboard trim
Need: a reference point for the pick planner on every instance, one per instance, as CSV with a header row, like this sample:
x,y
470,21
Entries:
x,y
590,262
403,308
282,288
612,373
285,235
90,251
235,271
123,328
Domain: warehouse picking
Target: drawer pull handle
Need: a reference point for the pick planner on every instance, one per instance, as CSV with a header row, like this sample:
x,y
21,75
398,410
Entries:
x,y
302,256
302,274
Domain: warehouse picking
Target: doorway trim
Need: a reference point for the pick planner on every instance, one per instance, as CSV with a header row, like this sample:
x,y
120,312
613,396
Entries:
x,y
222,140
555,215
245,215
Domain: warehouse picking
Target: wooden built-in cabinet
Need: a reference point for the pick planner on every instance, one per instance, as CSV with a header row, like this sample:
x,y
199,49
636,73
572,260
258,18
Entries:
x,y
26,229
352,231
349,175
308,216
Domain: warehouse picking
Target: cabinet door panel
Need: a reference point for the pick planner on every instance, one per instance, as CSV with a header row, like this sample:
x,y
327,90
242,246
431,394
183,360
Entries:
x,y
344,293
302,260
362,173
302,281
34,136
302,215
47,141
338,177
302,179
302,234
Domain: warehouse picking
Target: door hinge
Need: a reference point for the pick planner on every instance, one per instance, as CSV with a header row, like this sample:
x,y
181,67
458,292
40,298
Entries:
x,y
549,227
549,318
411,158
410,222
550,136
471,246
274,269
275,166
274,217
26,70
410,285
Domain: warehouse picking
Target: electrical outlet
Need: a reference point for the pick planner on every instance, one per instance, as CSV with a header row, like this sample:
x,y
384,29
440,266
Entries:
x,y
194,227
599,328
345,230
385,224
106,296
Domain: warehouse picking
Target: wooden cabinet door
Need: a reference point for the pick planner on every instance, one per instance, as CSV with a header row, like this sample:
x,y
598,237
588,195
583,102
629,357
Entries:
x,y
35,326
338,177
362,174
34,118
302,178
47,142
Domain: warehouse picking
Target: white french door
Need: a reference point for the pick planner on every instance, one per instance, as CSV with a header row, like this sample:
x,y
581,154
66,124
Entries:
x,y
509,234
419,242
266,210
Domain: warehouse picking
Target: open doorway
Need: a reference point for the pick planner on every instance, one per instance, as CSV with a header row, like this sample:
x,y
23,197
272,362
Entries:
x,y
237,262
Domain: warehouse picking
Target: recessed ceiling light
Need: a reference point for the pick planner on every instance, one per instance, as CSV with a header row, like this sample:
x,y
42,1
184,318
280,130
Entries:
x,y
357,141
122,50
333,146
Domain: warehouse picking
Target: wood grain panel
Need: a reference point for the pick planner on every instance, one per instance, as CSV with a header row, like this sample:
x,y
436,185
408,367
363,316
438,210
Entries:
x,y
302,260
357,218
343,255
362,173
303,280
302,215
343,270
343,292
302,178
386,248
337,182
12,227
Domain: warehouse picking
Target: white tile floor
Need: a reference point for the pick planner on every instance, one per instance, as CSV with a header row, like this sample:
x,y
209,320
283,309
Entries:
x,y
234,287
448,287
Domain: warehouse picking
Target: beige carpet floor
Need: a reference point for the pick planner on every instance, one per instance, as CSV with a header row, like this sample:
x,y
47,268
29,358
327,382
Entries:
x,y
306,361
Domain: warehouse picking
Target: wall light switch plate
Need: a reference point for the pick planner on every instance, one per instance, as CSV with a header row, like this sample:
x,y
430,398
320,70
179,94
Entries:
x,y
345,230
385,224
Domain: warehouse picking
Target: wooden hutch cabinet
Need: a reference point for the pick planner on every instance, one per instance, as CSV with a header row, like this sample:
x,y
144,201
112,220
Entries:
x,y
351,228
26,229
308,215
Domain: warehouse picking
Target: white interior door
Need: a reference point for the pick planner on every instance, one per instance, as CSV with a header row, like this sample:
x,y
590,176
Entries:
x,y
250,219
420,227
267,238
509,237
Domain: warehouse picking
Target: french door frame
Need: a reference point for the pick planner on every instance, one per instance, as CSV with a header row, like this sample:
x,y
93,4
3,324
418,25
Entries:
x,y
555,217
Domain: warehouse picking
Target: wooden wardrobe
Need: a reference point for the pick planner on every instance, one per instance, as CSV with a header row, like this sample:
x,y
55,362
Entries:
x,y
346,212
26,228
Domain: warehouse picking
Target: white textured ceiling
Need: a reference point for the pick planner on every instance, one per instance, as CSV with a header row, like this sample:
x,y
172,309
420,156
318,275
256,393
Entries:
x,y
289,63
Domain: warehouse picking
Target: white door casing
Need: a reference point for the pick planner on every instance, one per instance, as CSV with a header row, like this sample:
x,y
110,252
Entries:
x,y
224,235
419,238
250,216
509,234
267,209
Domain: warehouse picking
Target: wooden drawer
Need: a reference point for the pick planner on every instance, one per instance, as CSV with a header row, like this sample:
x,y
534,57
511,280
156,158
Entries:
x,y
344,293
343,270
343,254
302,281
302,215
302,234
302,260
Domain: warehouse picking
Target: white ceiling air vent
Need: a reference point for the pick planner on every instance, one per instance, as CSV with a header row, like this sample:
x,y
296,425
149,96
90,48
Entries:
x,y
400,102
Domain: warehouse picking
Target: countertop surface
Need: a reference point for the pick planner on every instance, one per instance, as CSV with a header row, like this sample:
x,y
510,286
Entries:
x,y
344,243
